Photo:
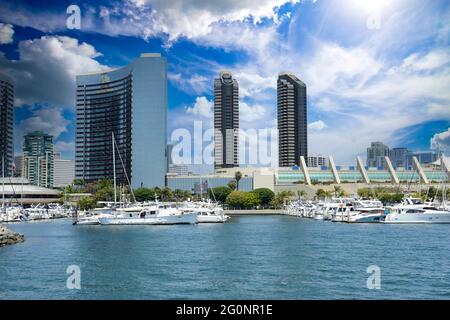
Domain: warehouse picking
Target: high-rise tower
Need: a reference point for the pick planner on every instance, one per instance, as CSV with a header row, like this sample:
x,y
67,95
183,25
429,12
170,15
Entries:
x,y
130,102
226,121
6,124
292,120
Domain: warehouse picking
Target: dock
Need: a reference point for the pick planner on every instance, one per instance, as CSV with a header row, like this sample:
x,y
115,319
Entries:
x,y
264,212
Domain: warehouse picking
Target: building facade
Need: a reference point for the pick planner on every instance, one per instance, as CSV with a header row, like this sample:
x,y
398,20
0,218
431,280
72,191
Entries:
x,y
226,121
317,161
425,157
38,159
398,157
131,104
6,125
63,172
376,154
292,120
18,166
180,169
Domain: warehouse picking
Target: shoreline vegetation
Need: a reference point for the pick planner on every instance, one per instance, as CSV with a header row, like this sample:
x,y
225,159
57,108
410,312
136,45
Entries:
x,y
230,196
8,237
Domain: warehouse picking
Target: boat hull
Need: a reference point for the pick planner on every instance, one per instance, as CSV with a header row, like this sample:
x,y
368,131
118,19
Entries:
x,y
190,218
372,218
417,218
212,219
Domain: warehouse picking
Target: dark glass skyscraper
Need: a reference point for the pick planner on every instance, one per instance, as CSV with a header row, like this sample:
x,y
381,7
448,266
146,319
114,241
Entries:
x,y
130,102
292,120
6,124
226,121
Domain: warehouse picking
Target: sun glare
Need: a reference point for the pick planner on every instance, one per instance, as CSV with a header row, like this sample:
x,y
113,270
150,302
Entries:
x,y
371,5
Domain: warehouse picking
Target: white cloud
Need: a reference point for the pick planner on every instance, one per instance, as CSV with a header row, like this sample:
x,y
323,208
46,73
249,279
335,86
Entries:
x,y
63,146
193,18
441,140
145,18
46,69
6,33
251,113
47,119
429,61
252,84
317,125
202,107
191,84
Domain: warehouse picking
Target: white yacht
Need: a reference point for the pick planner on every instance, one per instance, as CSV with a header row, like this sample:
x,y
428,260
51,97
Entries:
x,y
415,214
368,215
344,213
207,212
92,218
160,214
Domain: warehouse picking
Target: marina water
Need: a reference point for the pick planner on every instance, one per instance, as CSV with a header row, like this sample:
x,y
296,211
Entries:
x,y
251,257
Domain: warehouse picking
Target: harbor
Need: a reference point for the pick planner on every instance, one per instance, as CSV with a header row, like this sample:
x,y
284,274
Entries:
x,y
249,257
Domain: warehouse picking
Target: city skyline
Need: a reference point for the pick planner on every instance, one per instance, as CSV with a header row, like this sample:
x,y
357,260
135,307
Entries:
x,y
374,77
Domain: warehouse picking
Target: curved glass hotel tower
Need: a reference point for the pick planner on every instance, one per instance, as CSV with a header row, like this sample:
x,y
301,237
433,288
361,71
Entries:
x,y
130,102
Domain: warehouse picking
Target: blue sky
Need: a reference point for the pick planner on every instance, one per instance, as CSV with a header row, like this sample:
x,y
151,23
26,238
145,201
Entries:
x,y
376,70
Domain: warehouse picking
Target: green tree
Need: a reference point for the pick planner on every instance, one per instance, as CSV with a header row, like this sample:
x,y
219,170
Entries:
x,y
301,194
321,193
237,177
364,192
166,194
338,191
281,197
220,194
265,195
86,203
144,194
251,200
236,199
104,190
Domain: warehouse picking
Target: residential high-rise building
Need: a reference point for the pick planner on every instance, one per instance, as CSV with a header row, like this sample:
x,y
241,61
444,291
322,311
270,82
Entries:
x,y
398,157
317,161
375,155
292,120
38,159
6,125
226,121
130,102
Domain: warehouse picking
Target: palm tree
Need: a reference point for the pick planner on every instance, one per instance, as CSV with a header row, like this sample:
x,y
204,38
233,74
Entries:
x,y
301,194
232,184
166,194
337,191
237,176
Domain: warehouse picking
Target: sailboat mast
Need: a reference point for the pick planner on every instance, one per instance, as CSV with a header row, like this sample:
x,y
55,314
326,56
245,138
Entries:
x,y
3,183
114,169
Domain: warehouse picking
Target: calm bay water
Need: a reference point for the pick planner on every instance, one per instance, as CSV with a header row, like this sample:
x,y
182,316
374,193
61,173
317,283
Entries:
x,y
252,257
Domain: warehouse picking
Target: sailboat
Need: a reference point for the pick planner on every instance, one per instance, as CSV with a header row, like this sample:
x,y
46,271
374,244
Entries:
x,y
415,211
155,214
